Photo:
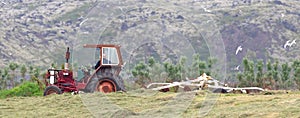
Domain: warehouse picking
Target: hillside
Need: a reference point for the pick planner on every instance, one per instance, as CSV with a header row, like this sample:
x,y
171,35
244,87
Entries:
x,y
152,104
37,33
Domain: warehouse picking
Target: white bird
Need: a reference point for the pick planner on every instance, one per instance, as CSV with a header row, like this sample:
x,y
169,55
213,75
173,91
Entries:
x,y
83,21
238,49
205,9
289,43
240,11
293,42
237,67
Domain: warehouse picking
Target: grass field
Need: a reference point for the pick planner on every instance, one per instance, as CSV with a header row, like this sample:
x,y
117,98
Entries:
x,y
155,104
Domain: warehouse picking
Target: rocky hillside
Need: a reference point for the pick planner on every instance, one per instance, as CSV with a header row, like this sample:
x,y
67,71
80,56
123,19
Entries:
x,y
38,32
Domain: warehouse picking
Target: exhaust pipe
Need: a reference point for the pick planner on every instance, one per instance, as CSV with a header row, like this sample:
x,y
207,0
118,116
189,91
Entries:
x,y
67,59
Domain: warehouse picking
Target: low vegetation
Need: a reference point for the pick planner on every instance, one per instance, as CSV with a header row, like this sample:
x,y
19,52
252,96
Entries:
x,y
25,89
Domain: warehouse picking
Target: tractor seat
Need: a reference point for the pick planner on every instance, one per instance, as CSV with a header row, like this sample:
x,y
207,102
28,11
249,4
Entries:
x,y
66,84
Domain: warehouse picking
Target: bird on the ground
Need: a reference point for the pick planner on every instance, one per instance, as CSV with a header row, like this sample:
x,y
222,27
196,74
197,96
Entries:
x,y
238,49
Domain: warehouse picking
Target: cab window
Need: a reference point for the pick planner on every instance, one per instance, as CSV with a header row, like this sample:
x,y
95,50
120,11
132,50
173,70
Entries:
x,y
109,56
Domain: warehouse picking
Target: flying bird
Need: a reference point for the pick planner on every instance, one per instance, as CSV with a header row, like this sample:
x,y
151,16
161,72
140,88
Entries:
x,y
293,42
237,67
289,43
206,9
83,21
238,49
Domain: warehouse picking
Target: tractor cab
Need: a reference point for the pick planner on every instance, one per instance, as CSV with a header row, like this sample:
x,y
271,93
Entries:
x,y
107,70
110,60
109,56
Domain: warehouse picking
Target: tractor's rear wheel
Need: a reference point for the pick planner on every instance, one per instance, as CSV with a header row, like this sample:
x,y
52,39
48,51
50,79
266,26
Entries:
x,y
105,82
106,86
52,90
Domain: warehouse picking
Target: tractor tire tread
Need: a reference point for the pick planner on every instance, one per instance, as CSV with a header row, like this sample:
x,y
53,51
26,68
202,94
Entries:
x,y
55,88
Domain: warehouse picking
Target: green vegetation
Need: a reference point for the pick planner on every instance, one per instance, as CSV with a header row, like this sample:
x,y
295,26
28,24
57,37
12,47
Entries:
x,y
285,76
142,72
14,79
25,89
23,72
296,69
11,85
13,67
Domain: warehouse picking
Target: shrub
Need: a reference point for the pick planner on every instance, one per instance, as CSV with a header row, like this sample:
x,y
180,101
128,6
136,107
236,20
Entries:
x,y
25,89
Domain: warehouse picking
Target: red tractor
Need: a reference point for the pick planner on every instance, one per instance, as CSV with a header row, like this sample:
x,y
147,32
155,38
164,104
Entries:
x,y
104,79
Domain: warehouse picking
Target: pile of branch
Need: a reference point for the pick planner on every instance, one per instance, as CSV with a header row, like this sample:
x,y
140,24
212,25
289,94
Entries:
x,y
204,82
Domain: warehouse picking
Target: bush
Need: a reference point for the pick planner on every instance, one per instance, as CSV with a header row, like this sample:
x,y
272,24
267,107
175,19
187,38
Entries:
x,y
25,89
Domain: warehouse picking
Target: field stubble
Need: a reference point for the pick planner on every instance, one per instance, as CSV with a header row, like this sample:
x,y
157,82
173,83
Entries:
x,y
278,104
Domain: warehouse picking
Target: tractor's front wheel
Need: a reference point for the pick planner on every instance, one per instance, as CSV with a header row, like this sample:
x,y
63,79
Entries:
x,y
52,90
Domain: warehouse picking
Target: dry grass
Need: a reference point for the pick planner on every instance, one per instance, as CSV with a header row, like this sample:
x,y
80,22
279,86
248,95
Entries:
x,y
152,104
267,106
51,106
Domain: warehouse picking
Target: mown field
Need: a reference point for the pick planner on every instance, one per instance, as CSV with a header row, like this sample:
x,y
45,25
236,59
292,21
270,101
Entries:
x,y
155,104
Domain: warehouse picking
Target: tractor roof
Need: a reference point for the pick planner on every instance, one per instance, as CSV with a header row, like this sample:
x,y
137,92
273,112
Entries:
x,y
99,45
